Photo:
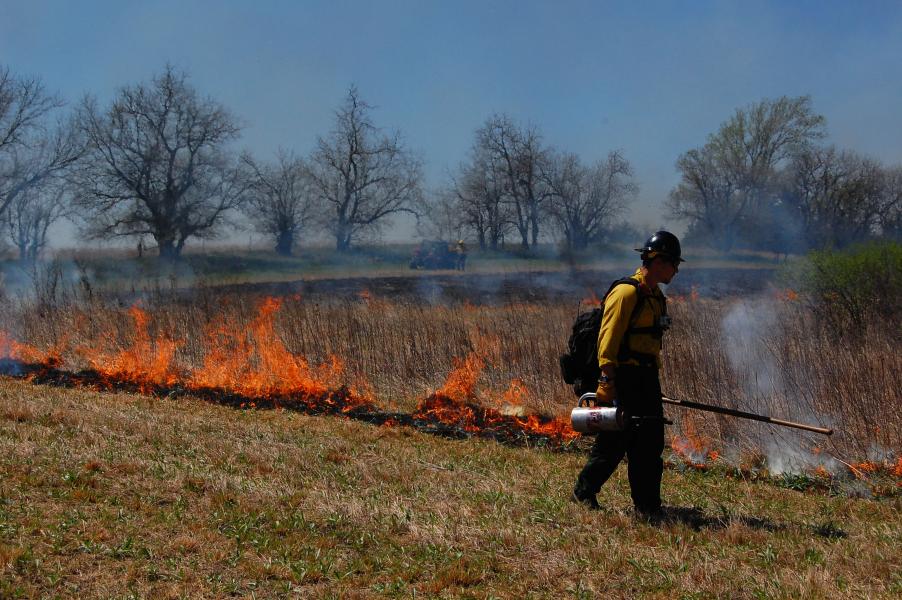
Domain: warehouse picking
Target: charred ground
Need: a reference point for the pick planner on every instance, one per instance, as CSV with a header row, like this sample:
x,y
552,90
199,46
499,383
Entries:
x,y
535,286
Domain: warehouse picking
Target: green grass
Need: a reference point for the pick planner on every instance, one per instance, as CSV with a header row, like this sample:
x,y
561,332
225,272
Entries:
x,y
115,495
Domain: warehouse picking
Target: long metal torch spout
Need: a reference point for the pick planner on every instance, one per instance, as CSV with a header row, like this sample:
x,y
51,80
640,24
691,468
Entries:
x,y
610,418
746,415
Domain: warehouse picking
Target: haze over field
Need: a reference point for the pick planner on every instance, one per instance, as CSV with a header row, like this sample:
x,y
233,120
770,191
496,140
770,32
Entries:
x,y
651,80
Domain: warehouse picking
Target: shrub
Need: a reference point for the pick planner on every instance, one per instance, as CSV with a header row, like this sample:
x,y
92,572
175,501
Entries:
x,y
855,287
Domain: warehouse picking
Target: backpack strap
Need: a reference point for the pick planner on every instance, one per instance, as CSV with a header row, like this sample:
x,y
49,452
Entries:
x,y
624,352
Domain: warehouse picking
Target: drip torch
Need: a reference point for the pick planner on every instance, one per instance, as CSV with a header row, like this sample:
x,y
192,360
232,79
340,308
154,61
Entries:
x,y
593,419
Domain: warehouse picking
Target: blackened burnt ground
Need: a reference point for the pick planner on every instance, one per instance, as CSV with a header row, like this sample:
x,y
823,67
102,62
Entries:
x,y
503,288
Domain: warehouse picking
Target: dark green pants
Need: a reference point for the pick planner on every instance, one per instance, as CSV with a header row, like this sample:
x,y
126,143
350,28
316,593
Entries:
x,y
639,393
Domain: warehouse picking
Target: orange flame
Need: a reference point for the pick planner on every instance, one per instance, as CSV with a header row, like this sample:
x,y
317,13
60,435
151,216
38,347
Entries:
x,y
12,349
592,299
461,383
251,360
692,448
516,394
256,363
144,363
821,471
787,295
454,405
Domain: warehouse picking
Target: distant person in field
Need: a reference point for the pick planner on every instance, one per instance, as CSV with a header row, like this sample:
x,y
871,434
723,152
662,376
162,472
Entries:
x,y
629,356
461,251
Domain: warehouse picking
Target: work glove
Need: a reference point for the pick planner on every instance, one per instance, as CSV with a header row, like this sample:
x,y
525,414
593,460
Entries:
x,y
606,393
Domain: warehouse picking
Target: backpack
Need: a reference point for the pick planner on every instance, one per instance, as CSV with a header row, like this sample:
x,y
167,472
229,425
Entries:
x,y
579,365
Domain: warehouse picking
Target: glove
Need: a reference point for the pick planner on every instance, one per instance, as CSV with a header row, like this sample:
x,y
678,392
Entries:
x,y
606,393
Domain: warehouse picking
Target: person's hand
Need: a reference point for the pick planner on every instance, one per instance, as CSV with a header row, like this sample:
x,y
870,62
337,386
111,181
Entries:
x,y
606,393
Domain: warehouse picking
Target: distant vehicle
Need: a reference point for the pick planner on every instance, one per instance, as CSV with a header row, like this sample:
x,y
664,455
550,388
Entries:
x,y
433,255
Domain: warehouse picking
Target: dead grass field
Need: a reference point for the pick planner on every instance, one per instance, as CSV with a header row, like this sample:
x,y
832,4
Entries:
x,y
119,495
766,355
116,496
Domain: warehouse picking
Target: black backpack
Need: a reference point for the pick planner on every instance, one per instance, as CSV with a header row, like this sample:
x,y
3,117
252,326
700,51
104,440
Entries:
x,y
579,365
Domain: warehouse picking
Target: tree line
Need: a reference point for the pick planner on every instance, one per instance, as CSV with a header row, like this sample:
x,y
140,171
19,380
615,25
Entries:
x,y
765,181
159,161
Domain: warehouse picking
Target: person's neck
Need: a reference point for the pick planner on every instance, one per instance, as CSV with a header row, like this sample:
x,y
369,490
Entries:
x,y
650,281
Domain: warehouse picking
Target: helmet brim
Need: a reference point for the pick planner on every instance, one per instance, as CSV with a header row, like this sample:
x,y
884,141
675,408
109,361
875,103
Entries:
x,y
658,253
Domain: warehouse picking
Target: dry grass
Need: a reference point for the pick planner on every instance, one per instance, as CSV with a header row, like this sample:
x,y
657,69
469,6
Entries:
x,y
783,364
114,495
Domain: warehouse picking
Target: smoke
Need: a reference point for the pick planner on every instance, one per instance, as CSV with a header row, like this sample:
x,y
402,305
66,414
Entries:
x,y
751,332
745,329
786,453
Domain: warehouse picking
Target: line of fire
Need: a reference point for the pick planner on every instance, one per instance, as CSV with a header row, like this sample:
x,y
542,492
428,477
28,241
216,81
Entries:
x,y
251,368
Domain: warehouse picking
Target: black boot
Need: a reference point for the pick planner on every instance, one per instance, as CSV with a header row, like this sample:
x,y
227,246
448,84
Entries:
x,y
588,501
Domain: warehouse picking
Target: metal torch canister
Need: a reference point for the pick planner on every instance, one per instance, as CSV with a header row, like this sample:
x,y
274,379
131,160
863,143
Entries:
x,y
593,419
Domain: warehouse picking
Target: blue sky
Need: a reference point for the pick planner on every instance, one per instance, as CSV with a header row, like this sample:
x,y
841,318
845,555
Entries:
x,y
650,78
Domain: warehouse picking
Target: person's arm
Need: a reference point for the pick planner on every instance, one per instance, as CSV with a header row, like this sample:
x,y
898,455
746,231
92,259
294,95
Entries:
x,y
618,307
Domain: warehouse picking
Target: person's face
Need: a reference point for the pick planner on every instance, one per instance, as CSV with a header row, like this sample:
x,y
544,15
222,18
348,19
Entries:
x,y
665,268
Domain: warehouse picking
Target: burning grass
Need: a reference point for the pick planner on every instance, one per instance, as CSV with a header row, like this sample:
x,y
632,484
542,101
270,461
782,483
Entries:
x,y
466,370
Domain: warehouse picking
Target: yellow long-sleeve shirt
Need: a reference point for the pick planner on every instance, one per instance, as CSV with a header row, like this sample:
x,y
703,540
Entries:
x,y
618,308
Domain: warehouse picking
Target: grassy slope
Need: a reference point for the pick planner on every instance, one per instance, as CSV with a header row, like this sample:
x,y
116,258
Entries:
x,y
116,495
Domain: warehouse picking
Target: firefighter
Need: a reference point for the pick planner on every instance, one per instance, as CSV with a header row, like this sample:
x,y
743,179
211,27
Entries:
x,y
629,356
460,251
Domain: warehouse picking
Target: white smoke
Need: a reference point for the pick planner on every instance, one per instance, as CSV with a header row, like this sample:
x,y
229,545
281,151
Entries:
x,y
749,331
744,330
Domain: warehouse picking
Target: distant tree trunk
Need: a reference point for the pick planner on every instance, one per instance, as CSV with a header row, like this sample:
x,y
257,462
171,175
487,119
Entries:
x,y
285,243
343,237
167,248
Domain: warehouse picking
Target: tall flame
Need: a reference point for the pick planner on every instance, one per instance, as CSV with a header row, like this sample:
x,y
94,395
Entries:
x,y
146,362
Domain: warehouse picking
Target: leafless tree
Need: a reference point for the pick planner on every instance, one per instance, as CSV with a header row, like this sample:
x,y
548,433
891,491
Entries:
x,y
157,164
733,175
31,214
481,197
33,146
280,199
444,217
585,200
517,154
837,196
362,176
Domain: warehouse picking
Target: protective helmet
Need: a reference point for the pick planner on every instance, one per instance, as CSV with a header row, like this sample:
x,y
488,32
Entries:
x,y
663,243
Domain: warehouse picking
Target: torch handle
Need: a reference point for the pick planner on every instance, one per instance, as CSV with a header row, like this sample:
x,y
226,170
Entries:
x,y
746,415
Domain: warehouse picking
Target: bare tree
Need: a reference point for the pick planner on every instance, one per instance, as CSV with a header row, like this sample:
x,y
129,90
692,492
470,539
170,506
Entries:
x,y
362,176
32,148
444,217
734,174
280,199
519,155
157,164
837,196
585,200
480,189
31,214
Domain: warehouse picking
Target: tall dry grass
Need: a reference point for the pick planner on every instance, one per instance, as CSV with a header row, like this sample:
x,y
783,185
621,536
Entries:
x,y
783,362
